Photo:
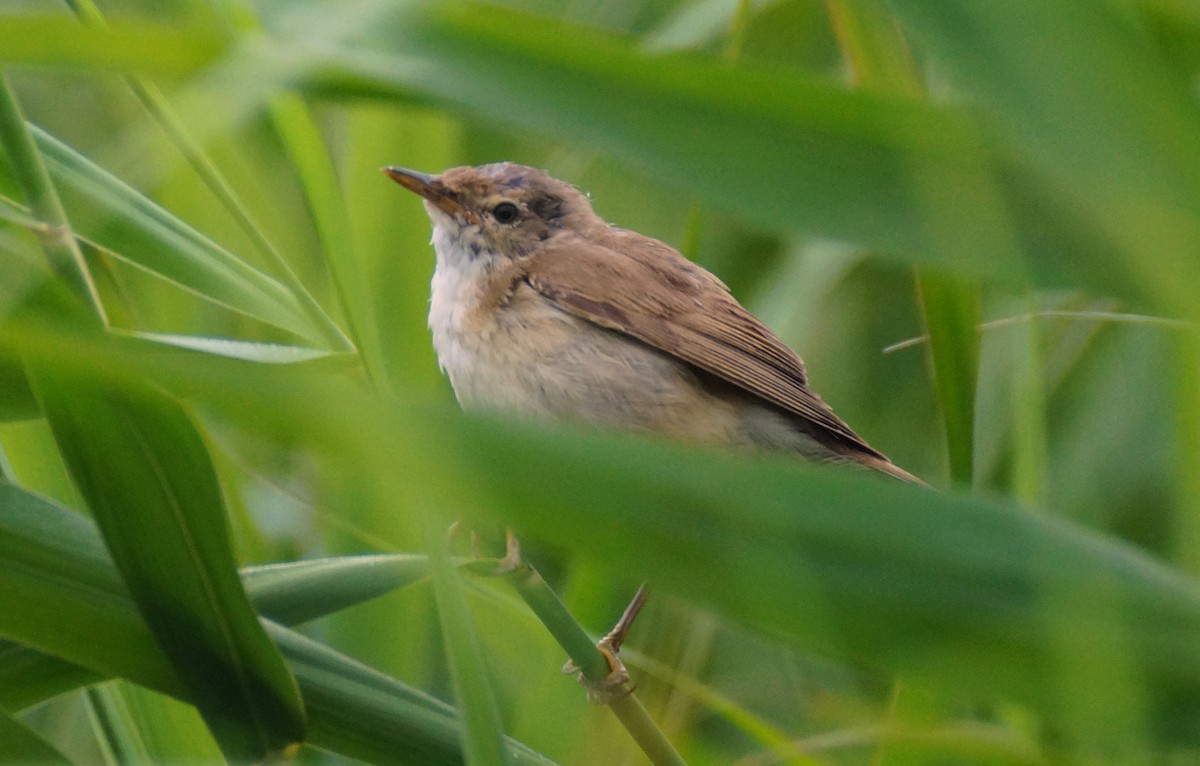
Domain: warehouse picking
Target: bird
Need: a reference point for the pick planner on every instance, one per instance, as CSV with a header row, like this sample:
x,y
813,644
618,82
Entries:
x,y
541,308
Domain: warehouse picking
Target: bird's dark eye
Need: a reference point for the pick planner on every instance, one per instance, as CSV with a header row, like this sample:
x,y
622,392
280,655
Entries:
x,y
505,212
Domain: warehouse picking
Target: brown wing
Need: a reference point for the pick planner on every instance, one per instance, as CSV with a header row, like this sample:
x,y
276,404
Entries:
x,y
645,289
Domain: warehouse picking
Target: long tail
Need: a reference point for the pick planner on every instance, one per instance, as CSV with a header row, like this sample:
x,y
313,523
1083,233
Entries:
x,y
883,465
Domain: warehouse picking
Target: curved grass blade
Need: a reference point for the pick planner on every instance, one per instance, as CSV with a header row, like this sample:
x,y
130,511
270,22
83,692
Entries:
x,y
263,353
16,397
300,591
864,161
108,211
157,106
28,676
54,233
65,597
36,535
969,595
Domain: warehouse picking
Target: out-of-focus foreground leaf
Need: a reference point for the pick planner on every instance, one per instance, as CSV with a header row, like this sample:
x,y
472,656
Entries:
x,y
64,597
139,461
972,596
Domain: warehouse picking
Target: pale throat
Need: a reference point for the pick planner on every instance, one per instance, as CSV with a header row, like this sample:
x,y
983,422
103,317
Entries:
x,y
463,330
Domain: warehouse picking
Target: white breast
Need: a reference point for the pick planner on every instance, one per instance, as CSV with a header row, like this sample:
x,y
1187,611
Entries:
x,y
532,358
492,357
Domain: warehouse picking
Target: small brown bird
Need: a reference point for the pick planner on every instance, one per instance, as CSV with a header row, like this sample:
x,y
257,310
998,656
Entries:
x,y
542,308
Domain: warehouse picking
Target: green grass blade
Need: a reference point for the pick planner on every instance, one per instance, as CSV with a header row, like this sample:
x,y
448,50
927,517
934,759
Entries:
x,y
297,592
18,402
483,731
65,547
951,308
301,139
366,715
29,169
28,676
140,231
263,353
20,745
147,477
119,736
882,62
1114,133
856,154
68,601
878,55
140,726
59,40
156,104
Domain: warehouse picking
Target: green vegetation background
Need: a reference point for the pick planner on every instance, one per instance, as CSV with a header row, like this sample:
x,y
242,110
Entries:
x,y
213,353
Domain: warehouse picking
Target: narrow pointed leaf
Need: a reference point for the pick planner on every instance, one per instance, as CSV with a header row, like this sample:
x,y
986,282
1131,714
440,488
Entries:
x,y
951,308
21,745
66,599
139,231
147,477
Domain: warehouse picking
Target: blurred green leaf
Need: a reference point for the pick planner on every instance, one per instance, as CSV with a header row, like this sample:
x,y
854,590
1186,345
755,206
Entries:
x,y
483,731
942,587
1083,96
16,398
148,480
20,745
66,599
300,591
784,151
130,45
120,737
140,232
28,676
950,589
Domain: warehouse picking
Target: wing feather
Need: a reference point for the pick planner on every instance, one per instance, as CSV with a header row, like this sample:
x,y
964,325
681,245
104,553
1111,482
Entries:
x,y
692,316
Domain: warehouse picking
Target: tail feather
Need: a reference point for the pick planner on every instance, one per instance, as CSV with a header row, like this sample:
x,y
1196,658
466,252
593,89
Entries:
x,y
883,465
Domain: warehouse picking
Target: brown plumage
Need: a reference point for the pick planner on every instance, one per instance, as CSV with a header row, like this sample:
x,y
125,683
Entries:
x,y
541,306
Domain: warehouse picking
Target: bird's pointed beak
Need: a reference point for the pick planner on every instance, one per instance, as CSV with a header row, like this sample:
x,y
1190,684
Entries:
x,y
431,189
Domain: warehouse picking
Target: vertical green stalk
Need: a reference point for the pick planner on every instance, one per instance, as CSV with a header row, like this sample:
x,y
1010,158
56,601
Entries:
x,y
881,62
483,730
950,310
1029,412
735,41
57,240
1186,535
571,636
116,731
